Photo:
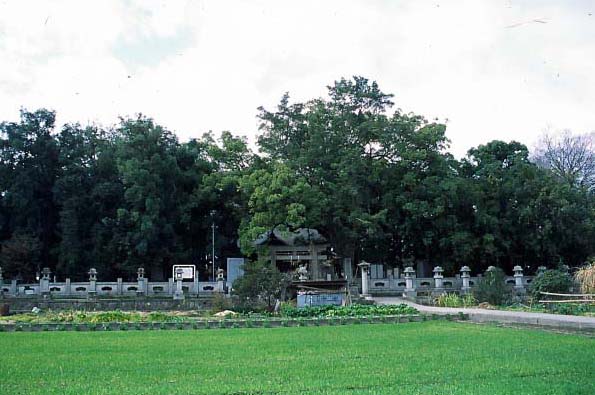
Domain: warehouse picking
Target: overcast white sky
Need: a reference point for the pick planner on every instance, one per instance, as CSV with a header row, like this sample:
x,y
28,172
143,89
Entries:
x,y
495,69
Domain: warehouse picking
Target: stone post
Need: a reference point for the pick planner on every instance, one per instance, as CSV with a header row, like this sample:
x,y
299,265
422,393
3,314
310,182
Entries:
x,y
179,293
409,288
170,286
44,282
347,269
142,282
438,279
92,290
365,266
195,284
14,289
67,287
119,286
465,277
1,284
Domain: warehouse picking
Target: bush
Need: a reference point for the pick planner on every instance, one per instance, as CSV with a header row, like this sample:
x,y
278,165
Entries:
x,y
550,281
262,283
492,288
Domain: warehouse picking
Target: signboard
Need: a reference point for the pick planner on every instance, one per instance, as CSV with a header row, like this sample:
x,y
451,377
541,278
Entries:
x,y
322,299
187,271
234,269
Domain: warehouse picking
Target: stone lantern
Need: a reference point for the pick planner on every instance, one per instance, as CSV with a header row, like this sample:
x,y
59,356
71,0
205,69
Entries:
x,y
518,276
465,277
92,291
409,288
438,278
142,281
44,282
365,266
179,275
220,280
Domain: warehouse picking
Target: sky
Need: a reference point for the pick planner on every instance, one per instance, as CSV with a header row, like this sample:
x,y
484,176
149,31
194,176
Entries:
x,y
490,69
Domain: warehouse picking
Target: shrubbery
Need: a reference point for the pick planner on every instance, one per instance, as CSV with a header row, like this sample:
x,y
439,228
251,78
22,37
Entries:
x,y
554,281
261,284
354,310
492,288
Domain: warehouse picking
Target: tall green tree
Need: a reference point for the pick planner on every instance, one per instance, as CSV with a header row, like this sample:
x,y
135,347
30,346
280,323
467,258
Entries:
x,y
29,166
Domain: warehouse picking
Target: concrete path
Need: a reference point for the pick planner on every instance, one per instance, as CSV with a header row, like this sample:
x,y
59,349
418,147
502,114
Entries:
x,y
512,317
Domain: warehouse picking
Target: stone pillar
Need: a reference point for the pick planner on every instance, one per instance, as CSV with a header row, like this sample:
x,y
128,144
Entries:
x,y
220,280
14,289
365,266
438,278
409,287
119,286
348,270
67,287
179,293
142,282
1,283
465,277
315,267
170,286
195,284
44,282
92,290
518,279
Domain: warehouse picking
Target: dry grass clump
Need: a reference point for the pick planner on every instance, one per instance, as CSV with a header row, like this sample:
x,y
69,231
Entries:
x,y
585,276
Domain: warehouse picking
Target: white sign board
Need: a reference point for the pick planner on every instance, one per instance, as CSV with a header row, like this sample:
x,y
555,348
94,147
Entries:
x,y
187,271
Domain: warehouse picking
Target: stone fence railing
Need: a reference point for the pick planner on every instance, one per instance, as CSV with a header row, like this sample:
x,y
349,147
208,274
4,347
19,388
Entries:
x,y
46,288
411,286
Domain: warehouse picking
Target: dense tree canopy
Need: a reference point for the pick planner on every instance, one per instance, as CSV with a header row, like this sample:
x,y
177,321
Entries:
x,y
377,182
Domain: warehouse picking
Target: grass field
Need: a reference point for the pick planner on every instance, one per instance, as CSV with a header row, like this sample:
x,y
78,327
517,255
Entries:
x,y
416,358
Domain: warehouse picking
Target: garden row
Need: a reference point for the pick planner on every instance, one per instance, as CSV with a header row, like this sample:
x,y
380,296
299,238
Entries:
x,y
225,323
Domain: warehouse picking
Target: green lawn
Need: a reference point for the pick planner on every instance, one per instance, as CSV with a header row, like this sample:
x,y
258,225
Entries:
x,y
416,358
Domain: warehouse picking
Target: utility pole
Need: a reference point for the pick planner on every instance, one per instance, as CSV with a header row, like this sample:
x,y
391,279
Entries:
x,y
213,248
213,243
